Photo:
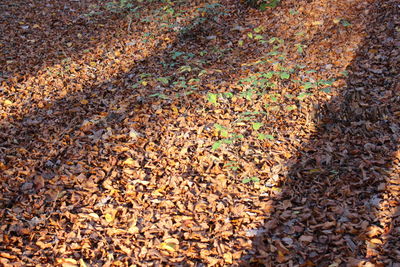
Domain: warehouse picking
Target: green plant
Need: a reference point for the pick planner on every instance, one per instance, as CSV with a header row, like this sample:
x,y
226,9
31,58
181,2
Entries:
x,y
233,165
120,6
263,4
212,98
253,179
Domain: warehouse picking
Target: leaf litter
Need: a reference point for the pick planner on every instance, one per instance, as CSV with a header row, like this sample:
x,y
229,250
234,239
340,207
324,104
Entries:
x,y
108,119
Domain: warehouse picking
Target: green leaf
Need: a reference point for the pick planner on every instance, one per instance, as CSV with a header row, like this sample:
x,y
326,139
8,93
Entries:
x,y
284,75
247,94
326,90
228,95
224,133
216,145
177,54
163,80
262,136
308,85
227,141
162,96
325,82
193,80
253,179
299,48
257,125
302,96
218,127
270,137
289,96
185,69
272,40
345,23
258,37
268,75
246,180
202,72
291,107
268,3
239,136
212,98
259,29
273,53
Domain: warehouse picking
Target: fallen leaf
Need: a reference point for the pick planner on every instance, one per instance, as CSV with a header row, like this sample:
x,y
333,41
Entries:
x,y
170,244
8,102
306,238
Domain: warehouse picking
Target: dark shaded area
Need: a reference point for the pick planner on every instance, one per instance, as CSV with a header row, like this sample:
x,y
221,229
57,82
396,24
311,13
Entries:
x,y
38,34
344,183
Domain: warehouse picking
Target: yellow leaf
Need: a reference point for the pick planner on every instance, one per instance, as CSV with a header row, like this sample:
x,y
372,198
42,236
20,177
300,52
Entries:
x,y
314,171
7,103
276,189
228,258
317,22
131,162
174,109
157,193
376,241
170,244
133,229
84,102
109,218
144,83
92,64
336,21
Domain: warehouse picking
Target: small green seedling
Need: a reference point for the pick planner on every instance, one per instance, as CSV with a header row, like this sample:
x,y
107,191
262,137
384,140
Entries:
x,y
253,179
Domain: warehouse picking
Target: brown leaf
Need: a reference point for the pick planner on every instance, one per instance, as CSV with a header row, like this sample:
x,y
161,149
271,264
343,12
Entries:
x,y
306,238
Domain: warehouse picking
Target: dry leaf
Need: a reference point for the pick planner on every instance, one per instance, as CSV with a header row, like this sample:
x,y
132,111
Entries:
x,y
170,244
306,238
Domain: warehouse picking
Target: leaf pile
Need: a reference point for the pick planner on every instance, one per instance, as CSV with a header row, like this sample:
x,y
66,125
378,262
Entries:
x,y
199,133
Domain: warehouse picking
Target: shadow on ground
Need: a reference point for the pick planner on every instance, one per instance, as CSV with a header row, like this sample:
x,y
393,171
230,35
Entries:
x,y
339,205
38,34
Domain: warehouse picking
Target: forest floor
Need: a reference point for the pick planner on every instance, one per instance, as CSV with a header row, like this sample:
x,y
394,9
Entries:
x,y
199,133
